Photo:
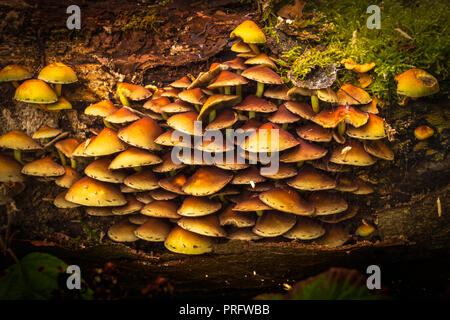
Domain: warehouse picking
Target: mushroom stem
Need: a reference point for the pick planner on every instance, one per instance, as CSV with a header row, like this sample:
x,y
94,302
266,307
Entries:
x,y
137,169
341,128
259,213
315,103
254,48
259,89
221,90
222,198
63,159
285,126
239,93
58,87
172,172
108,124
251,114
15,84
197,107
73,163
18,156
212,116
300,163
124,100
227,89
164,115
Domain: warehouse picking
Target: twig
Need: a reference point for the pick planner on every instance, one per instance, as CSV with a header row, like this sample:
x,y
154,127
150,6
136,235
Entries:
x,y
58,137
439,207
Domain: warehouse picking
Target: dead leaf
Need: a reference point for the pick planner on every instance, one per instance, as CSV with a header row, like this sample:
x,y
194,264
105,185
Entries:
x,y
293,12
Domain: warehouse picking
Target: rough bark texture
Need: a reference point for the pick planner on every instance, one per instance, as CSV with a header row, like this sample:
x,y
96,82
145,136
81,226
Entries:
x,y
187,40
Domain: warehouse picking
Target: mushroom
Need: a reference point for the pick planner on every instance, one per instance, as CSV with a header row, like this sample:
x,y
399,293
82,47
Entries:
x,y
186,242
161,194
58,74
287,200
228,217
285,170
314,132
10,170
327,203
250,34
240,47
122,231
248,176
141,134
132,91
161,209
174,184
181,83
94,193
99,170
252,204
61,202
167,164
139,219
206,181
69,177
132,206
335,236
305,229
198,206
338,217
423,132
44,167
132,158
351,153
254,104
304,151
65,148
18,141
144,180
14,73
46,132
262,60
273,224
311,179
206,225
99,211
378,149
194,96
61,104
416,83
225,119
215,102
155,230
365,230
105,143
35,91
102,109
243,234
374,129
155,105
121,116
283,116
261,140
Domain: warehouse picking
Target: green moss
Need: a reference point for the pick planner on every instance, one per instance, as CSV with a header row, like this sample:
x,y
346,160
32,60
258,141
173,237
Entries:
x,y
425,21
148,20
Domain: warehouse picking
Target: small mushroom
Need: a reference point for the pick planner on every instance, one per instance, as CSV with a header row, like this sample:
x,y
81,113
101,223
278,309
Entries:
x,y
132,206
310,179
155,230
141,133
206,225
250,34
305,229
66,148
186,242
287,200
198,206
10,170
44,167
132,158
94,193
14,73
207,181
122,231
105,143
132,91
423,132
69,177
273,224
35,91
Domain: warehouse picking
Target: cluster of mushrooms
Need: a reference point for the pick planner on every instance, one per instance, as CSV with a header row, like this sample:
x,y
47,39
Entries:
x,y
188,203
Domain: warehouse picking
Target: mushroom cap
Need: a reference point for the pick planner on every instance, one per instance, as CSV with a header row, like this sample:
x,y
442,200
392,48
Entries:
x,y
194,96
249,32
80,151
127,189
206,181
240,47
230,161
123,115
349,64
133,91
35,91
311,179
61,104
331,118
305,229
303,151
99,211
58,73
162,194
69,177
14,72
173,184
67,146
181,83
273,224
292,92
277,92
206,77
134,157
262,74
228,217
44,167
237,63
374,129
45,132
261,140
363,187
327,203
287,200
186,242
155,230
177,107
122,231
243,234
248,176
216,101
206,225
335,236
133,205
94,193
349,95
365,230
105,143
198,206
144,197
167,164
227,78
423,132
61,202
301,109
139,219
141,134
346,184
364,80
212,145
314,132
283,115
165,139
101,109
185,123
260,187
10,170
170,92
144,180
262,59
251,204
155,105
336,218
351,153
224,119
161,209
254,103
416,83
327,95
285,170
329,166
99,170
